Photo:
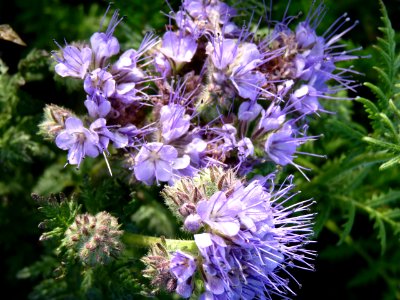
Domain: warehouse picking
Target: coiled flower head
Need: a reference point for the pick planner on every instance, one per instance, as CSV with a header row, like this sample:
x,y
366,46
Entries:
x,y
247,235
95,239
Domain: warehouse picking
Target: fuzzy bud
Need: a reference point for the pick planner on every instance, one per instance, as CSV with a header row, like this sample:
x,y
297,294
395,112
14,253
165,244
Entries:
x,y
96,239
54,121
158,269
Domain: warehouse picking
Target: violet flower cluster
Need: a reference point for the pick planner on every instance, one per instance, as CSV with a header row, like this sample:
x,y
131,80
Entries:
x,y
207,93
208,101
247,240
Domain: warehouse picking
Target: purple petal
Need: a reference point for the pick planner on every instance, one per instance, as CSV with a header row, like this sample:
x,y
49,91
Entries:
x,y
144,171
163,170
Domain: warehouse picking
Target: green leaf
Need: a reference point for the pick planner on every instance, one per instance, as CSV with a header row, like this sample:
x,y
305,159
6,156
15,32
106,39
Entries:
x,y
380,226
349,223
384,199
59,213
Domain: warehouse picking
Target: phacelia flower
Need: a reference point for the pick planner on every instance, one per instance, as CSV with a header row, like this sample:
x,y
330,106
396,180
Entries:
x,y
78,140
74,61
104,44
183,266
156,161
244,234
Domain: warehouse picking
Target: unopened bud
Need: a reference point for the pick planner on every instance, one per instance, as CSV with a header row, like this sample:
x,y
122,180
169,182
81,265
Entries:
x,y
95,239
54,120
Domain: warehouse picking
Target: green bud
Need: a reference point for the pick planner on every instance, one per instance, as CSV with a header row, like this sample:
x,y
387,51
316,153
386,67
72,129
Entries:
x,y
95,239
54,121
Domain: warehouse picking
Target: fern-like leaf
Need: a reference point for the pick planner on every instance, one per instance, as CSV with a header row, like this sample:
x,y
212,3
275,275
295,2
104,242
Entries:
x,y
349,223
59,213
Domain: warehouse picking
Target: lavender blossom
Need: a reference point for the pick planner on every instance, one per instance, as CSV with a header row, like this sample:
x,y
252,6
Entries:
x,y
247,235
183,267
156,161
104,44
74,61
281,145
99,82
78,140
174,121
179,48
236,62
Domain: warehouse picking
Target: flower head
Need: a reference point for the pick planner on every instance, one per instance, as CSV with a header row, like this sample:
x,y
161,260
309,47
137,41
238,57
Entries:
x,y
246,235
95,239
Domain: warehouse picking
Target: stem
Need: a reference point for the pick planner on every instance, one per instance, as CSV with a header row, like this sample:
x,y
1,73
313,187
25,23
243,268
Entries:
x,y
138,240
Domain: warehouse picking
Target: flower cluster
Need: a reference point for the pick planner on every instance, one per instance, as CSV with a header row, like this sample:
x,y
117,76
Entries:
x,y
196,108
205,93
95,239
245,238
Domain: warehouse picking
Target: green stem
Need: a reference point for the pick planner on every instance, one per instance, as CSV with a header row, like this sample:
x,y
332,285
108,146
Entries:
x,y
138,240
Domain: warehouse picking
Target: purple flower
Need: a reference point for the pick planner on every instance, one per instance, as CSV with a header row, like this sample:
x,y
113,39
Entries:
x,y
99,127
246,80
220,214
249,111
162,64
126,67
272,118
78,140
236,62
183,266
104,44
99,82
195,149
247,237
154,162
74,61
305,100
178,47
222,52
245,148
215,264
174,122
97,106
214,11
128,93
281,145
305,35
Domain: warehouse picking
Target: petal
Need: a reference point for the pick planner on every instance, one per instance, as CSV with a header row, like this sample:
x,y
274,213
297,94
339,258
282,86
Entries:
x,y
144,171
92,108
181,162
203,240
91,149
73,125
163,170
168,153
75,154
64,140
229,228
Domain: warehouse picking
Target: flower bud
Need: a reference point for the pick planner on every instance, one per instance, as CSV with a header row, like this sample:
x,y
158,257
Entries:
x,y
158,269
54,120
95,239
